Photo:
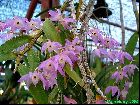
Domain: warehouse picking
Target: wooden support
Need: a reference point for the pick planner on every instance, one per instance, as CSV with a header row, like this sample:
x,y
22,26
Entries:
x,y
55,3
31,9
45,4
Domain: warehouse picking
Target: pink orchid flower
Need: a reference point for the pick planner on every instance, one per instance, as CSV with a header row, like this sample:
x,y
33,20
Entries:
x,y
69,100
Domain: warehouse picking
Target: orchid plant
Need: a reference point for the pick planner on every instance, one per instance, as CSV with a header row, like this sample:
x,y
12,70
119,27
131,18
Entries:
x,y
51,58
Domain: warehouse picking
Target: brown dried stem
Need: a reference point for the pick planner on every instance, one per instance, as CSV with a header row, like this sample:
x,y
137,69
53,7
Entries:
x,y
85,70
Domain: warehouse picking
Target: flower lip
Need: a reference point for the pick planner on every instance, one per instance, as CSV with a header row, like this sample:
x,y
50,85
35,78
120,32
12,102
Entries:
x,y
114,90
69,100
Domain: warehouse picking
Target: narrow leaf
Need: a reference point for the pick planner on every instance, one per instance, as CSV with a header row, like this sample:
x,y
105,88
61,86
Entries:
x,y
14,43
131,45
133,92
106,70
98,66
136,59
5,57
53,94
74,76
60,81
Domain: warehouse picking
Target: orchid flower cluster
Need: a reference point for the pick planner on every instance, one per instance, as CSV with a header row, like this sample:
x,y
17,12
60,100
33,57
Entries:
x,y
48,69
12,27
58,17
107,48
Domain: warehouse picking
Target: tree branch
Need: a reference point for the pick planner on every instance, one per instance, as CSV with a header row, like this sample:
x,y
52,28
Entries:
x,y
122,26
136,13
115,24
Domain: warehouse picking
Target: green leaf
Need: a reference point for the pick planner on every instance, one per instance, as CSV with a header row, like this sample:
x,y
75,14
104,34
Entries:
x,y
60,81
136,59
133,92
63,34
14,43
131,45
74,76
98,65
23,69
103,74
33,59
39,94
50,31
53,94
5,57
